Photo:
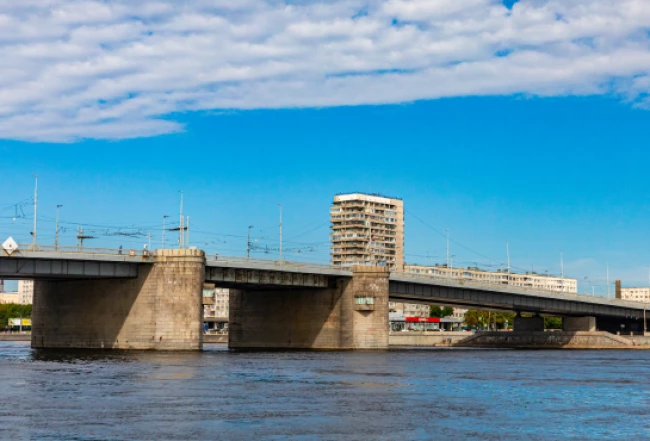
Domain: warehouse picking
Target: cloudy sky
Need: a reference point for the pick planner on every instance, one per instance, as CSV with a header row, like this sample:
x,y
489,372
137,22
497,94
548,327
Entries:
x,y
91,69
500,120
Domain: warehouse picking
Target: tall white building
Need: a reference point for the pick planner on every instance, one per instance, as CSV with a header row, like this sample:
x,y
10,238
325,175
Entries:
x,y
25,292
367,230
217,311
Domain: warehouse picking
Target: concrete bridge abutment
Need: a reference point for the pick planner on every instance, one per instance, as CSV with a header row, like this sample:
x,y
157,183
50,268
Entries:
x,y
160,309
349,314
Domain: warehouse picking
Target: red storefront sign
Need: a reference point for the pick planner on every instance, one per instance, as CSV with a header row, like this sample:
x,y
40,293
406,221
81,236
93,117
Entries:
x,y
422,320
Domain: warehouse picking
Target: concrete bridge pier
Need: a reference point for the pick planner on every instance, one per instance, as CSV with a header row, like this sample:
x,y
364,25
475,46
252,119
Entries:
x,y
577,324
349,314
528,324
159,309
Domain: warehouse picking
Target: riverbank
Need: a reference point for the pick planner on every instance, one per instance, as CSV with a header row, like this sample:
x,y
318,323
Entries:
x,y
15,337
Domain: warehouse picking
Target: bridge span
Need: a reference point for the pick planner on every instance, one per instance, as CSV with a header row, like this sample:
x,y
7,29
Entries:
x,y
153,300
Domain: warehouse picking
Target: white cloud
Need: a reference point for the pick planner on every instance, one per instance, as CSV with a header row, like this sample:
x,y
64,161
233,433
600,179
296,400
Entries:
x,y
113,69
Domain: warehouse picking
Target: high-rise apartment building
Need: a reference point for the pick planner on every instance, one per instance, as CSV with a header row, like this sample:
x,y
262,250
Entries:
x,y
367,230
26,292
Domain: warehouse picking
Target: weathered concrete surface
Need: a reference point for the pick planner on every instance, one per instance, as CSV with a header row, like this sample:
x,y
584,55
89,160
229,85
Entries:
x,y
365,326
528,324
160,309
312,318
427,339
215,339
549,340
573,324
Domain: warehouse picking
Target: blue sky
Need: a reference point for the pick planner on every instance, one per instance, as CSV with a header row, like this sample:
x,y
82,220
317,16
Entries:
x,y
544,174
521,121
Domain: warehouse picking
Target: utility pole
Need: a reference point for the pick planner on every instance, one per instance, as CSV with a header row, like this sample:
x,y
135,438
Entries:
x,y
508,257
181,240
447,231
163,231
248,248
149,241
56,235
187,236
608,291
280,205
561,265
34,240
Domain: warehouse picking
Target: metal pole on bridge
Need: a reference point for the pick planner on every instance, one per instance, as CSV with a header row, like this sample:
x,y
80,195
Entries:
x,y
56,236
280,205
35,211
163,231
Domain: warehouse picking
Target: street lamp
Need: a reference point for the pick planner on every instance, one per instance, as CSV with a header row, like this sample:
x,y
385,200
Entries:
x,y
248,248
56,236
163,231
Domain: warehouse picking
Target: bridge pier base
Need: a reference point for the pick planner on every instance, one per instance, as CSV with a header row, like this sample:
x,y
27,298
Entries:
x,y
160,309
528,324
575,324
349,314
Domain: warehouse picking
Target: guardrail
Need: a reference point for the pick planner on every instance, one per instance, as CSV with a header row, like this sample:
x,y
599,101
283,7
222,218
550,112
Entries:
x,y
511,288
84,250
150,253
272,262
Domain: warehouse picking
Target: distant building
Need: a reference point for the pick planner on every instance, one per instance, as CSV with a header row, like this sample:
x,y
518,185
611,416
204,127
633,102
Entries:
x,y
527,280
216,312
409,309
9,297
367,230
2,286
26,292
636,294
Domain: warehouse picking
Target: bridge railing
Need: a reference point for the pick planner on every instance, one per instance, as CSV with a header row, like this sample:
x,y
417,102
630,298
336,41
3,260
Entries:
x,y
271,262
84,250
501,286
150,253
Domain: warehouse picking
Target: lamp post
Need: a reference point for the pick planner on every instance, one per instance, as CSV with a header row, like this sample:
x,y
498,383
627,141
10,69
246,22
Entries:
x,y
56,235
34,240
248,248
163,232
280,205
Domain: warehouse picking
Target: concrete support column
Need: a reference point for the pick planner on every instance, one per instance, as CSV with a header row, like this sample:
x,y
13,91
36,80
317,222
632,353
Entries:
x,y
576,324
160,309
364,313
528,324
349,314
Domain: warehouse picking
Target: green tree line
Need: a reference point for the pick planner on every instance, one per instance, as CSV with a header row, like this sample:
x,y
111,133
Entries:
x,y
11,310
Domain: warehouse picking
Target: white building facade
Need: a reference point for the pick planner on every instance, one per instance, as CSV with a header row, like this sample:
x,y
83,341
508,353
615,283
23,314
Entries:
x,y
527,280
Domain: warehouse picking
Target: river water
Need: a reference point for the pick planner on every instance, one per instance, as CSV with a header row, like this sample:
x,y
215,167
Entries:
x,y
418,394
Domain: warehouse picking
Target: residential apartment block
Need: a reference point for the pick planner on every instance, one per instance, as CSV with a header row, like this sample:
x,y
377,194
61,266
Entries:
x,y
636,294
527,280
25,292
367,230
216,307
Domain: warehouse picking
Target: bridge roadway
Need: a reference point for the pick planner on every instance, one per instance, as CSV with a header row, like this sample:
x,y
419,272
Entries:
x,y
235,272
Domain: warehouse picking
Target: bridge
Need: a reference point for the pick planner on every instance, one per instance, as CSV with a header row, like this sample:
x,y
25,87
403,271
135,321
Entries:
x,y
104,298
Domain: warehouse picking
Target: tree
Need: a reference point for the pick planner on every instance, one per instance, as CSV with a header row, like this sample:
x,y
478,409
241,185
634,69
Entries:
x,y
552,323
479,319
11,310
440,312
